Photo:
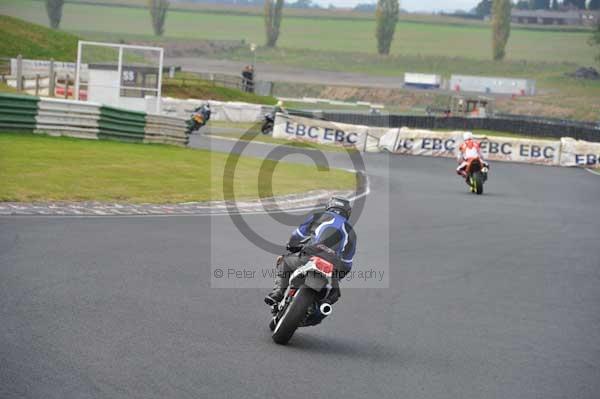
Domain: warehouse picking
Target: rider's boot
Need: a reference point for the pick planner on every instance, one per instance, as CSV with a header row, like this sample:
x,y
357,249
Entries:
x,y
275,296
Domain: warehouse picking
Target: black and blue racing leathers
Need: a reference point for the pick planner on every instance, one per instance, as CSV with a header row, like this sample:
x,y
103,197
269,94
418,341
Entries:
x,y
322,229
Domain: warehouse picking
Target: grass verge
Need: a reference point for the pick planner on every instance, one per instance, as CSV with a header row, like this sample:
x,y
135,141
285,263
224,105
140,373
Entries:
x,y
44,168
180,87
35,41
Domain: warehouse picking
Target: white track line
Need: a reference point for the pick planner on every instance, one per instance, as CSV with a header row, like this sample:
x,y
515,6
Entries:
x,y
593,172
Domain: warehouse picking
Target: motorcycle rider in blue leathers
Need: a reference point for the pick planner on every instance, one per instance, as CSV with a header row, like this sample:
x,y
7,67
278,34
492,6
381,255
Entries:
x,y
328,235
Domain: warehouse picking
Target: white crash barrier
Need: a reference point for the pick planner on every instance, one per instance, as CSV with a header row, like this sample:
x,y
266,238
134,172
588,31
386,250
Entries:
x,y
81,119
321,132
236,112
165,130
579,153
68,118
445,144
540,152
420,142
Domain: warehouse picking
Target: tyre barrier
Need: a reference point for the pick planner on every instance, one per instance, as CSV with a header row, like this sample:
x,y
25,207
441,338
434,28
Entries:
x,y
80,119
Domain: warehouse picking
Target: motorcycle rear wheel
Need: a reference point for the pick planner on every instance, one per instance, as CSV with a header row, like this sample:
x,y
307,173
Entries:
x,y
293,315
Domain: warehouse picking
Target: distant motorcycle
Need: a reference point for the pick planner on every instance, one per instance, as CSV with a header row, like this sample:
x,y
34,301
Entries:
x,y
268,123
477,174
199,118
302,304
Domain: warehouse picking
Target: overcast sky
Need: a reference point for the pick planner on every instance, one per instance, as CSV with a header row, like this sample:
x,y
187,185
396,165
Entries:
x,y
412,5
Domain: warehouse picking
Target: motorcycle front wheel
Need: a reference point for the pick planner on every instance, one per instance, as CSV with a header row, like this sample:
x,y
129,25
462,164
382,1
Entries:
x,y
293,315
478,182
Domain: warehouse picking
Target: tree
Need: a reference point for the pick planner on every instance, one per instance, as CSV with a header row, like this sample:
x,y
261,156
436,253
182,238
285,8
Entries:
x,y
54,10
500,27
522,5
594,5
272,13
158,12
386,16
365,7
539,4
555,4
484,8
595,40
579,4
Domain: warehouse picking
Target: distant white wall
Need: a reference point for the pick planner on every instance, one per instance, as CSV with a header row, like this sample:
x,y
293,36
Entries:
x,y
492,85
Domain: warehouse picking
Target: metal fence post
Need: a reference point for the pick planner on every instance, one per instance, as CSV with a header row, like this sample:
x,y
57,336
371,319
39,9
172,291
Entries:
x,y
51,78
67,87
37,84
19,72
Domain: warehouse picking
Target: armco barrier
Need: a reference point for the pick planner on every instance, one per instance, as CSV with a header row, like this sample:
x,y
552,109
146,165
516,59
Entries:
x,y
529,127
87,120
18,112
67,118
165,130
121,125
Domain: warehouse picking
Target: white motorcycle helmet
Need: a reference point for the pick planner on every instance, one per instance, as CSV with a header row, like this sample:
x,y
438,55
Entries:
x,y
467,136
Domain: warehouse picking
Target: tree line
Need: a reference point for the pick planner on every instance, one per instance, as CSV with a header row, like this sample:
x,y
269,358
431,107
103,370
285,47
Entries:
x,y
484,7
386,17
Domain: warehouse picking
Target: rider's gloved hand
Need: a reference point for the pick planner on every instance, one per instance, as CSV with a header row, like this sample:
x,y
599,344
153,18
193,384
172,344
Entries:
x,y
292,248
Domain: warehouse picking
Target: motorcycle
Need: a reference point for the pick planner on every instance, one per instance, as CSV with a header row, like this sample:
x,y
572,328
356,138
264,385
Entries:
x,y
302,304
477,174
200,117
268,123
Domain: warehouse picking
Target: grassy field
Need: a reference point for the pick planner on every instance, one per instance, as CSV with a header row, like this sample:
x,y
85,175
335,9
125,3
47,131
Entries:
x,y
42,168
19,37
180,87
35,41
413,38
325,13
346,43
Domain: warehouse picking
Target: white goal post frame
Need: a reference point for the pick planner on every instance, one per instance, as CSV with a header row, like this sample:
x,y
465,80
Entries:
x,y
160,50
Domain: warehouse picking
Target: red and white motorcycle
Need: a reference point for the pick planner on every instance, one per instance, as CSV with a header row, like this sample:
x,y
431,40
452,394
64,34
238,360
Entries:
x,y
301,305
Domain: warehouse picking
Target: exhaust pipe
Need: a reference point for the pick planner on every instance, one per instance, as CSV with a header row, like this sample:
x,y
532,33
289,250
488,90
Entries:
x,y
325,309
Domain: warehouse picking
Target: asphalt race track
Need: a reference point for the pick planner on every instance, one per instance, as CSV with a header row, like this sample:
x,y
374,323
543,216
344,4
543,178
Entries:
x,y
490,297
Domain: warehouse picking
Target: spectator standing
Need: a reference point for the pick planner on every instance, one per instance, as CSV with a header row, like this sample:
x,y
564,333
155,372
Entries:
x,y
247,79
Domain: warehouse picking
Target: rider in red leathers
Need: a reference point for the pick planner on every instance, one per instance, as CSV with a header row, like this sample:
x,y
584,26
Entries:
x,y
468,150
